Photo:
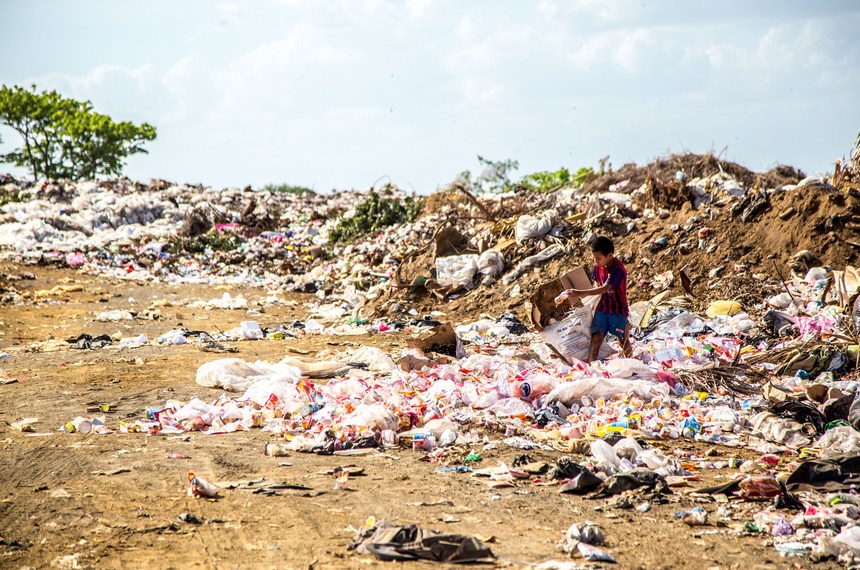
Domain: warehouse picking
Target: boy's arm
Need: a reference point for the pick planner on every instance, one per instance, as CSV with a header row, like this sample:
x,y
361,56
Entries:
x,y
574,293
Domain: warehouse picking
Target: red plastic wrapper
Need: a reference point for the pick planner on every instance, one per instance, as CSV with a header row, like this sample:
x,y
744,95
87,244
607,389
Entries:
x,y
760,487
770,460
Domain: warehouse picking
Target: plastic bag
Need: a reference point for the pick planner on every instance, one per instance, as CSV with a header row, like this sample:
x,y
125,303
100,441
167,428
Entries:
x,y
531,261
586,532
531,227
571,336
373,417
605,456
456,270
846,541
779,430
630,368
235,375
491,263
727,308
628,448
510,407
196,407
840,439
114,315
375,359
572,392
680,326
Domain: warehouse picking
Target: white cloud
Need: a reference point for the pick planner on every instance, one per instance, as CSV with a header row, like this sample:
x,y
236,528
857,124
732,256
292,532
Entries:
x,y
599,10
624,48
178,78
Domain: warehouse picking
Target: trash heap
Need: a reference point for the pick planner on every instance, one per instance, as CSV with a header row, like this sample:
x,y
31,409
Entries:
x,y
770,369
781,383
718,220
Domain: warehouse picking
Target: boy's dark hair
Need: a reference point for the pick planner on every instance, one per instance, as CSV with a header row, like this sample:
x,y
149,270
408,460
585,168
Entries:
x,y
603,245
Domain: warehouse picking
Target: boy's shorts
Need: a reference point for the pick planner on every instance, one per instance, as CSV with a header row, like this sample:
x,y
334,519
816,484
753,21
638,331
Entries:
x,y
605,323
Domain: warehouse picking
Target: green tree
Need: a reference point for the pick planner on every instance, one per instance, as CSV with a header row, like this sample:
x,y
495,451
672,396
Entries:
x,y
66,139
496,175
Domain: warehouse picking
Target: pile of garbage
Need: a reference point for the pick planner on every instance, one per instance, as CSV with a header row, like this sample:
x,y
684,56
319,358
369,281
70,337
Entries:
x,y
716,219
771,369
783,383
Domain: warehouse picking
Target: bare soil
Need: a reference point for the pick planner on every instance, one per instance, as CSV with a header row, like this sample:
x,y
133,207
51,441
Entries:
x,y
112,501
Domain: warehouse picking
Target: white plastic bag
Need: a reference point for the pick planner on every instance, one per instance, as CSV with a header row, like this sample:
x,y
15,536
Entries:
x,y
630,368
456,270
373,417
605,456
510,407
491,263
571,336
373,358
235,375
531,261
779,430
838,440
196,407
598,387
531,227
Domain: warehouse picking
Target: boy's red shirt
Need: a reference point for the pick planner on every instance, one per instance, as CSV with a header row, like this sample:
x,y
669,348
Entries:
x,y
613,301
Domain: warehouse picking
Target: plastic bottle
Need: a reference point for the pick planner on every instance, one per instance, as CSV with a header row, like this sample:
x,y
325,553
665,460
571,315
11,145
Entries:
x,y
534,388
310,408
690,426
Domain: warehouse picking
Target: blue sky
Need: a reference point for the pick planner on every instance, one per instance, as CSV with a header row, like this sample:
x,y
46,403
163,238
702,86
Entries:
x,y
338,93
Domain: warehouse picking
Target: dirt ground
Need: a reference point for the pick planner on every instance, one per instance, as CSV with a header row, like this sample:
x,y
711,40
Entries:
x,y
112,501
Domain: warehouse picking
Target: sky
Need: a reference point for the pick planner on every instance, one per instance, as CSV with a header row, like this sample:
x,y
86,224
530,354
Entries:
x,y
340,94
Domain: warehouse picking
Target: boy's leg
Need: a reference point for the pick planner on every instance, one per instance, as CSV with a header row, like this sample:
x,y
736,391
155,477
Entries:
x,y
626,349
594,347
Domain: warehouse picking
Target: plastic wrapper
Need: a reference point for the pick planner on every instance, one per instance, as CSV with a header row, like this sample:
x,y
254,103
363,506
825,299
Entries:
x,y
760,487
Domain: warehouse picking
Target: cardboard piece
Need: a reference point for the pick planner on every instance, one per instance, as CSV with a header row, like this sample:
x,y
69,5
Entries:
x,y
440,339
542,301
449,241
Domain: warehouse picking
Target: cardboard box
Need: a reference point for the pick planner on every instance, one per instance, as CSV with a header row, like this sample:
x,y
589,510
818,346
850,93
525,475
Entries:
x,y
542,301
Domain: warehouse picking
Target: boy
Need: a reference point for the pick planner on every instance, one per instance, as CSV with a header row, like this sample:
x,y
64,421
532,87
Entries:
x,y
612,309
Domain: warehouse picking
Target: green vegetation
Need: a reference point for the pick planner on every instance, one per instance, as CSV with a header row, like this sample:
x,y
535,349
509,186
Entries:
x,y
373,214
495,178
211,241
547,181
67,139
287,189
9,196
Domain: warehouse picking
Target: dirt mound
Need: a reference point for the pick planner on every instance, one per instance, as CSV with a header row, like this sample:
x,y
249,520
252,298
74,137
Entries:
x,y
724,256
664,170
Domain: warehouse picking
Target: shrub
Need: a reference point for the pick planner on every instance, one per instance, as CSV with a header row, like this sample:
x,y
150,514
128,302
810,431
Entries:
x,y
373,214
